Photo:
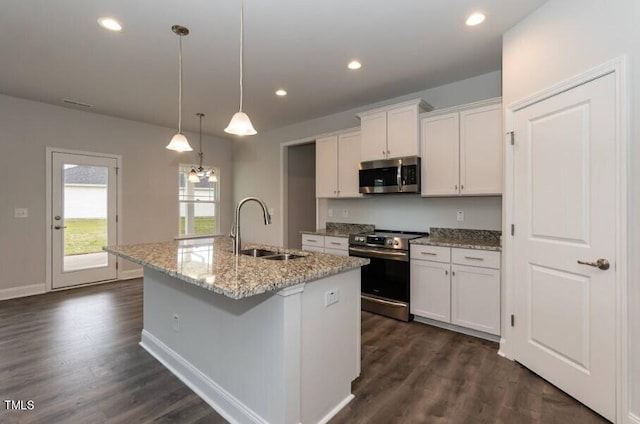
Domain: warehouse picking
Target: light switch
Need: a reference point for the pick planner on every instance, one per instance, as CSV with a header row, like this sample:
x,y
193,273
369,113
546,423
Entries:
x,y
21,212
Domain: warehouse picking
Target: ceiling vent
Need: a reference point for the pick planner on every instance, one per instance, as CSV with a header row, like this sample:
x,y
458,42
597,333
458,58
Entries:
x,y
76,103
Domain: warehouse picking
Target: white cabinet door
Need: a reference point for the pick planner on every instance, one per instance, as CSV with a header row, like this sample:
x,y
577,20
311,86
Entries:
x,y
348,160
430,290
326,167
402,132
373,133
475,298
481,145
440,155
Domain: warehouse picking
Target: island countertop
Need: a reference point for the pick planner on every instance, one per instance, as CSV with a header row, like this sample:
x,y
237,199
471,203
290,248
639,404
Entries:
x,y
209,263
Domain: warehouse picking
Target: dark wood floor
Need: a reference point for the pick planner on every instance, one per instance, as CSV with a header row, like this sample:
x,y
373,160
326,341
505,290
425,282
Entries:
x,y
76,355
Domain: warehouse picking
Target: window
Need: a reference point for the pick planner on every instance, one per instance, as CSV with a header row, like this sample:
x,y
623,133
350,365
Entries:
x,y
198,203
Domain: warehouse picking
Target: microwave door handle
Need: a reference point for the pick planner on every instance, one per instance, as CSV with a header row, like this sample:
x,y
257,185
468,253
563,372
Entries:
x,y
399,176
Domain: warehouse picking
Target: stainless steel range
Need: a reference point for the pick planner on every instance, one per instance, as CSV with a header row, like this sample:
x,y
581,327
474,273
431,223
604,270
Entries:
x,y
385,281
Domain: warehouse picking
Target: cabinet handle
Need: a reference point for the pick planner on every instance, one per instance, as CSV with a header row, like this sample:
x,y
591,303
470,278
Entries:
x,y
335,243
312,240
383,153
428,253
461,186
334,192
455,187
453,273
446,272
474,258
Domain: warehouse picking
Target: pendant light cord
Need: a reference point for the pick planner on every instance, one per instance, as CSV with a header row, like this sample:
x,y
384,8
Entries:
x,y
200,154
180,87
241,48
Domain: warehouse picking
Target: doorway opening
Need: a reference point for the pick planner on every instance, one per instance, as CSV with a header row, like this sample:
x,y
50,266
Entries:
x,y
298,191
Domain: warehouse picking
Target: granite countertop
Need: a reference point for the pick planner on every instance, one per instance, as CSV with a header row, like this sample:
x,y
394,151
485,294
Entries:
x,y
209,263
341,229
462,238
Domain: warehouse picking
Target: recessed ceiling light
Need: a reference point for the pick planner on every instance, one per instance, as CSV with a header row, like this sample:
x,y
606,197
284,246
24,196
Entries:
x,y
475,19
110,24
354,64
281,92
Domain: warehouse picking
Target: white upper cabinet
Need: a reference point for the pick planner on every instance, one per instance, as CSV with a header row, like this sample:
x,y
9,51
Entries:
x,y
462,150
440,155
481,150
392,131
337,159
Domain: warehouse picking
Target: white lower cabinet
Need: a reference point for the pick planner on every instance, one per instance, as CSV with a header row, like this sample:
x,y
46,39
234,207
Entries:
x,y
475,298
445,288
326,244
431,290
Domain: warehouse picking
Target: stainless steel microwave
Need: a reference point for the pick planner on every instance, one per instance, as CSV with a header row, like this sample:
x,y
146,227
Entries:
x,y
400,175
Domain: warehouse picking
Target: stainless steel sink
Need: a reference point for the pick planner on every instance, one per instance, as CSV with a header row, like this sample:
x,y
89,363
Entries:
x,y
283,257
257,253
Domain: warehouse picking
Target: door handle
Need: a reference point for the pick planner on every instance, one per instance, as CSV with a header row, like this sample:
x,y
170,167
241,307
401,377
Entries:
x,y
58,227
602,264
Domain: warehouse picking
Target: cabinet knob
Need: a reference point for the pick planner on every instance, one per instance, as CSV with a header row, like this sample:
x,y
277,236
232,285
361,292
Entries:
x,y
453,273
334,192
446,272
383,152
455,187
461,187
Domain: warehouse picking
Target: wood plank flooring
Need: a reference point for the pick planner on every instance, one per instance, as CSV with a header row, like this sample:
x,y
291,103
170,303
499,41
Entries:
x,y
76,355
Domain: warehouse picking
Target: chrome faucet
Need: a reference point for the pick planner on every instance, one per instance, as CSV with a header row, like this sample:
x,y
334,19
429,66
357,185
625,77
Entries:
x,y
235,230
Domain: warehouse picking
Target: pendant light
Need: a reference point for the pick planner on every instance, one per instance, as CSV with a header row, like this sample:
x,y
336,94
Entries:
x,y
179,142
240,123
199,172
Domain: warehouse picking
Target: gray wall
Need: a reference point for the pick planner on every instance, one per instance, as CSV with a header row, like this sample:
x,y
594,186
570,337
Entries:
x,y
301,207
149,176
565,38
257,159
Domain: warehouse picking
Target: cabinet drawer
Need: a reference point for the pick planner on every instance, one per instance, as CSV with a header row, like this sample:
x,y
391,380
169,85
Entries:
x,y
474,257
340,243
339,252
311,240
319,249
431,253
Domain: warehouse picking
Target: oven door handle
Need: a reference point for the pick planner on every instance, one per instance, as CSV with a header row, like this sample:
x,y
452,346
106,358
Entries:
x,y
380,254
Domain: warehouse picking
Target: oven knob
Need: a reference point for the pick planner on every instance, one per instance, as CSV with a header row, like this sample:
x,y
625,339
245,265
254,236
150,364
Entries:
x,y
396,242
389,242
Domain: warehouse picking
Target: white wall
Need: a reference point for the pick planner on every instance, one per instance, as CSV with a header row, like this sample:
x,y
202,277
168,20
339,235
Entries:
x,y
413,213
562,39
257,159
149,175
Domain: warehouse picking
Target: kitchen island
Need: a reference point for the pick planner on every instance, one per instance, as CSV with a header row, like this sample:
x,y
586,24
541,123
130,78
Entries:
x,y
260,340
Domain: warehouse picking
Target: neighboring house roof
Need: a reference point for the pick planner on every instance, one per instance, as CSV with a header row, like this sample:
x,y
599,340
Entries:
x,y
86,175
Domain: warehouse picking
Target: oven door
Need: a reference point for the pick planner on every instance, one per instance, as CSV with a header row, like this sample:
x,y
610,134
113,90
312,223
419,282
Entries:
x,y
385,281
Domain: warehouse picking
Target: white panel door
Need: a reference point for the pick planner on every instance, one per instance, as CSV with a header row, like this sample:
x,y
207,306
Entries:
x,y
327,167
402,132
373,136
481,148
440,155
564,185
430,290
348,160
83,207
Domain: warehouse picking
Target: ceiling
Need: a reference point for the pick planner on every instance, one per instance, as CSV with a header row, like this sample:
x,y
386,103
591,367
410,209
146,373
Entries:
x,y
54,50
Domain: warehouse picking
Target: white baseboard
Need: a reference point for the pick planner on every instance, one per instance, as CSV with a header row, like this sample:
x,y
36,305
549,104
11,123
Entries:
x,y
337,409
130,274
458,329
219,399
22,291
633,418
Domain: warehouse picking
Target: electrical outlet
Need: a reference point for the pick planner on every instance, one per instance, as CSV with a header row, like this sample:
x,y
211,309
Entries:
x,y
21,213
460,215
331,297
330,212
176,323
345,213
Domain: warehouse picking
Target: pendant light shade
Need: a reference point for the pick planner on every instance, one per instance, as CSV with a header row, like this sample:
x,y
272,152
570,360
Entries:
x,y
212,177
193,176
240,123
179,142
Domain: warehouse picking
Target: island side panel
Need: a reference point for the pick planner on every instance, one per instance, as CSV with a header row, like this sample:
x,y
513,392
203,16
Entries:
x,y
330,345
236,347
